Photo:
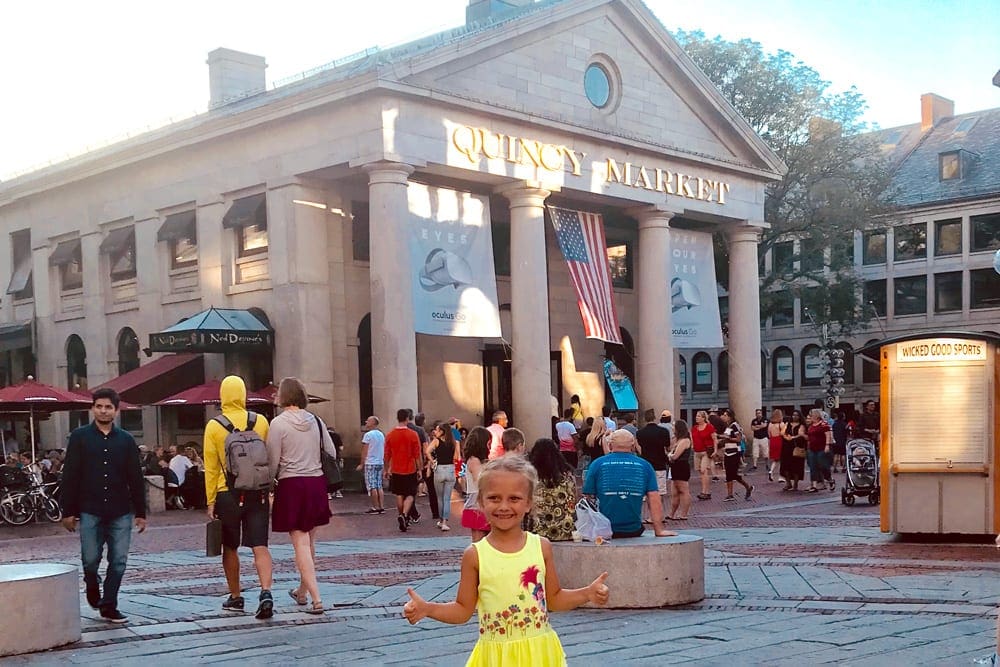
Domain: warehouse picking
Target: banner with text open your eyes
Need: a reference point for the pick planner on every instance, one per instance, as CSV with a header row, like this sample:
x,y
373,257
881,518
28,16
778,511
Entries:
x,y
694,300
451,263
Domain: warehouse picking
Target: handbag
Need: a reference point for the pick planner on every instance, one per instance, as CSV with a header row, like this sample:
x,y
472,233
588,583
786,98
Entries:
x,y
331,471
213,538
590,523
799,452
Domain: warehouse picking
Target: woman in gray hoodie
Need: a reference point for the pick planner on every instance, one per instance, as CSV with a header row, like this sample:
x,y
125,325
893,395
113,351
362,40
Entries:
x,y
300,501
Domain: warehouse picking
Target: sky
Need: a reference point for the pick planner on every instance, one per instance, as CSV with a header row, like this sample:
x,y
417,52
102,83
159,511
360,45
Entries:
x,y
82,75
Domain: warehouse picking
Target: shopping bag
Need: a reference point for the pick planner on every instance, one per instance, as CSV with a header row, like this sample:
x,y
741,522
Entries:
x,y
213,538
590,523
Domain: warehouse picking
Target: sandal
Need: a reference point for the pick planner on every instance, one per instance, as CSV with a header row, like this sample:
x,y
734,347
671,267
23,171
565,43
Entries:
x,y
299,598
316,608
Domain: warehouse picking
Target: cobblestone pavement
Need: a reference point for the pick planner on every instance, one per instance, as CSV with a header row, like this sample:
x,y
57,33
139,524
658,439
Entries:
x,y
790,579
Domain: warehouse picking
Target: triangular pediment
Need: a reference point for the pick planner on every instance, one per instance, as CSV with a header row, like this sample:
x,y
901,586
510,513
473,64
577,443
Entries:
x,y
536,65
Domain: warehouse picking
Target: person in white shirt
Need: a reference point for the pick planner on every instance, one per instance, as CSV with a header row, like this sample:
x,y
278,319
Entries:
x,y
179,464
496,430
372,461
568,438
611,423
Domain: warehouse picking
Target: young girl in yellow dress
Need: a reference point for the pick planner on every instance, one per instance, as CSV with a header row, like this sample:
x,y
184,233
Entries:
x,y
510,578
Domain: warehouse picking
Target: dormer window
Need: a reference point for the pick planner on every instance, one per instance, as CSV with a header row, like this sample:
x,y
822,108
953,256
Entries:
x,y
966,125
950,165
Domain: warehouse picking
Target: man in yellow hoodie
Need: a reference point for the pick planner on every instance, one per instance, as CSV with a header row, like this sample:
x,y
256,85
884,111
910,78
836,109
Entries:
x,y
244,514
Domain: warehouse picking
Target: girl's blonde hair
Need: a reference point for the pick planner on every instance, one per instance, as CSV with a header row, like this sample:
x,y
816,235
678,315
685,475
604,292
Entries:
x,y
512,463
597,431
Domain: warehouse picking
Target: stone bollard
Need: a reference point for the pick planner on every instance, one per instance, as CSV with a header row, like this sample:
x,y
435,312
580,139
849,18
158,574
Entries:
x,y
156,500
42,603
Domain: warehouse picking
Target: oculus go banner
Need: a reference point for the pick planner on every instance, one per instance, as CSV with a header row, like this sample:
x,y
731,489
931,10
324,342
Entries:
x,y
694,294
451,263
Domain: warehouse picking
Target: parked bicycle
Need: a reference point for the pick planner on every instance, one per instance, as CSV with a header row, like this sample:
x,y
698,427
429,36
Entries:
x,y
20,507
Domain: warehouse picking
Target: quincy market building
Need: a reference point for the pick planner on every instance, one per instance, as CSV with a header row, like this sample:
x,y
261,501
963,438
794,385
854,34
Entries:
x,y
302,204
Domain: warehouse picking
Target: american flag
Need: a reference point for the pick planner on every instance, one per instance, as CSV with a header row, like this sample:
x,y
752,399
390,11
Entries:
x,y
581,239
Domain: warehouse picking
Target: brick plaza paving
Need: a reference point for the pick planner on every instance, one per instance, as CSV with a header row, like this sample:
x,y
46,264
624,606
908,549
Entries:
x,y
790,579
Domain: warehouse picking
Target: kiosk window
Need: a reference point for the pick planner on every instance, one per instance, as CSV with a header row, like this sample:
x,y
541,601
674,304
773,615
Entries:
x,y
960,386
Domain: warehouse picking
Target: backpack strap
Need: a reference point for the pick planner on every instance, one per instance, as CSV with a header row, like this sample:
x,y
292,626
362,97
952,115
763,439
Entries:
x,y
251,420
223,421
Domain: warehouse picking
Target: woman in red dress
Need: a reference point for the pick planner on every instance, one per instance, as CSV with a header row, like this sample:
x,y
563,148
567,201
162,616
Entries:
x,y
775,438
703,444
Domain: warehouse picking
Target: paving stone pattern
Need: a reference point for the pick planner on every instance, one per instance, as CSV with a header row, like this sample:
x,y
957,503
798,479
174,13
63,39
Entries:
x,y
789,580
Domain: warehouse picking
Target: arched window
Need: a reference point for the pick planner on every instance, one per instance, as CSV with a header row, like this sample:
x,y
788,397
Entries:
x,y
812,366
128,351
128,359
76,375
848,362
869,368
783,373
366,397
702,364
723,364
682,371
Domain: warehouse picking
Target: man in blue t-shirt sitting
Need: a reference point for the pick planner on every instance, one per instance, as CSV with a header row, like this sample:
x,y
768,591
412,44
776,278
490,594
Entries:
x,y
619,481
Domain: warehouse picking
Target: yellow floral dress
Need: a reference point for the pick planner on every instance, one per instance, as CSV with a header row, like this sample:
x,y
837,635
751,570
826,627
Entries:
x,y
514,625
555,510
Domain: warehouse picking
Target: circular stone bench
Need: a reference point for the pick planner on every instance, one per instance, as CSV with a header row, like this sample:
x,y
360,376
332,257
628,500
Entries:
x,y
41,603
644,572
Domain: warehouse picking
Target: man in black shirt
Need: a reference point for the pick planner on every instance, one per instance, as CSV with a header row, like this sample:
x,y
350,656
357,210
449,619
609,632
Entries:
x,y
759,448
869,422
102,492
654,443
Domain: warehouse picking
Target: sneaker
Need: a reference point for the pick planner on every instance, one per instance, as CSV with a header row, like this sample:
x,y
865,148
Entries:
x,y
445,527
372,510
770,477
338,494
94,596
113,615
704,496
233,604
402,523
715,478
438,523
265,608
812,489
833,485
749,491
415,519
729,499
381,510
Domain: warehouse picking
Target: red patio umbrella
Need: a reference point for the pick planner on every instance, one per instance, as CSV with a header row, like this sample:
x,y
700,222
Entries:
x,y
31,397
208,394
271,391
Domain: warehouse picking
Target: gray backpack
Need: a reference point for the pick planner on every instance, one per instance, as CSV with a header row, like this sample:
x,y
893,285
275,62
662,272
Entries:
x,y
247,466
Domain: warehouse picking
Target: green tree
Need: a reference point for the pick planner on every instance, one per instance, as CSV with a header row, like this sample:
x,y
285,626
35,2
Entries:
x,y
836,181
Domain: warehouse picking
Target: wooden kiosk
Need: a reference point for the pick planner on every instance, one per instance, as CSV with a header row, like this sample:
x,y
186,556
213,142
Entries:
x,y
939,454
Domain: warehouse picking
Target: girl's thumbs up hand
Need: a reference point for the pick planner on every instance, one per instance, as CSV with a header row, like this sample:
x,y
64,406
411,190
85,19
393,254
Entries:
x,y
597,592
416,608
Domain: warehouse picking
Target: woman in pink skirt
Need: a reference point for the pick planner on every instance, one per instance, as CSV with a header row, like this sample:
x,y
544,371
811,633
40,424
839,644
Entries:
x,y
300,501
477,450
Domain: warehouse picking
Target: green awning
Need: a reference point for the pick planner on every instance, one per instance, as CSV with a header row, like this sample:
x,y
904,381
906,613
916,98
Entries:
x,y
247,211
177,226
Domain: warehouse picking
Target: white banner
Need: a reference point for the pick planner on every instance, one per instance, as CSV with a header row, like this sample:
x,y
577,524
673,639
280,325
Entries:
x,y
451,263
694,296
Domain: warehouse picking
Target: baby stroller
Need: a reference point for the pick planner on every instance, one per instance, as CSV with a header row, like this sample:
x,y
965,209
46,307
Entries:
x,y
862,472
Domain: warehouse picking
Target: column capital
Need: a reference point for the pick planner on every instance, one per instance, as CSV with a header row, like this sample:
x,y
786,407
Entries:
x,y
384,171
745,233
525,193
652,216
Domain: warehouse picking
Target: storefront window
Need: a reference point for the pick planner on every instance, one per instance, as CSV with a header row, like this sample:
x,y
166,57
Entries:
x,y
682,372
947,292
723,371
812,367
910,295
783,360
702,372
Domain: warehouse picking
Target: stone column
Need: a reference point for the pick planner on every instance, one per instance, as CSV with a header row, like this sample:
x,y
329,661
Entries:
x,y
531,375
394,343
655,370
744,323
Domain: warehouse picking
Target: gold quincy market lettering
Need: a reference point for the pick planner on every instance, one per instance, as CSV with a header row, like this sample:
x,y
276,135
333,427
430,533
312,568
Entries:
x,y
669,182
477,142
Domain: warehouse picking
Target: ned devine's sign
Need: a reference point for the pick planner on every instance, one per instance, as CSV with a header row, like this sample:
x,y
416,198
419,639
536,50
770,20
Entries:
x,y
941,349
